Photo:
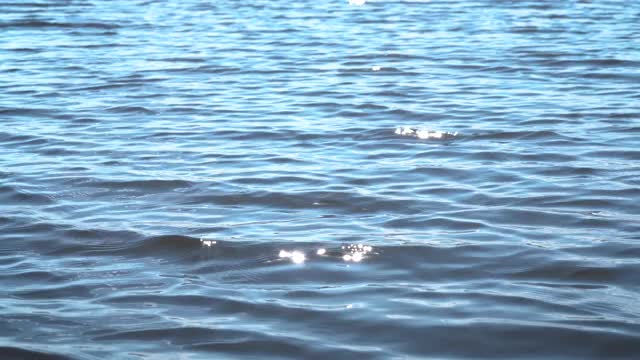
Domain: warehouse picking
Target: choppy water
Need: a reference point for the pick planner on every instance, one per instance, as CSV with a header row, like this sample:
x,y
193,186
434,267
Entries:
x,y
131,130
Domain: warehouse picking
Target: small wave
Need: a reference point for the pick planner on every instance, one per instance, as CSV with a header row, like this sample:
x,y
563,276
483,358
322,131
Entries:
x,y
131,109
10,352
182,59
125,243
26,50
449,224
108,87
595,63
25,111
65,291
611,76
203,69
44,24
371,106
342,201
165,244
12,138
144,186
11,195
261,180
614,154
517,135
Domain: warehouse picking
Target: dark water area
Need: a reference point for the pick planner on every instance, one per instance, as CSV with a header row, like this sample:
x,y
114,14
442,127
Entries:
x,y
221,179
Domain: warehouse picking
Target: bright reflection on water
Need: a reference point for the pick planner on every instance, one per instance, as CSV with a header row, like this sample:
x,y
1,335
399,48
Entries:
x,y
297,257
351,252
208,243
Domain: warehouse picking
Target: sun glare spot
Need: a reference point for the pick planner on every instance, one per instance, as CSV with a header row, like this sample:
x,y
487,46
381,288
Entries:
x,y
298,257
347,253
208,243
284,254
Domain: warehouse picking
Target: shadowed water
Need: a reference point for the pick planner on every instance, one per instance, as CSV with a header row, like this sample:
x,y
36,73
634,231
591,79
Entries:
x,y
170,170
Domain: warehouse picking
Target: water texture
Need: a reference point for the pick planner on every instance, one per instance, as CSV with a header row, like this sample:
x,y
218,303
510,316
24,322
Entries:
x,y
170,169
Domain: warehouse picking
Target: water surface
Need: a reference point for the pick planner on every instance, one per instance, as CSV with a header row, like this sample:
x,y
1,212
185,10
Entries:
x,y
131,131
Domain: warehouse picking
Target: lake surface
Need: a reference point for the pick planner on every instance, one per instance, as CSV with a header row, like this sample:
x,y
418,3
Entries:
x,y
221,179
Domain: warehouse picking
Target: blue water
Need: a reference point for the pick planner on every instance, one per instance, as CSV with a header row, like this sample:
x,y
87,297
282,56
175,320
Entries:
x,y
170,170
